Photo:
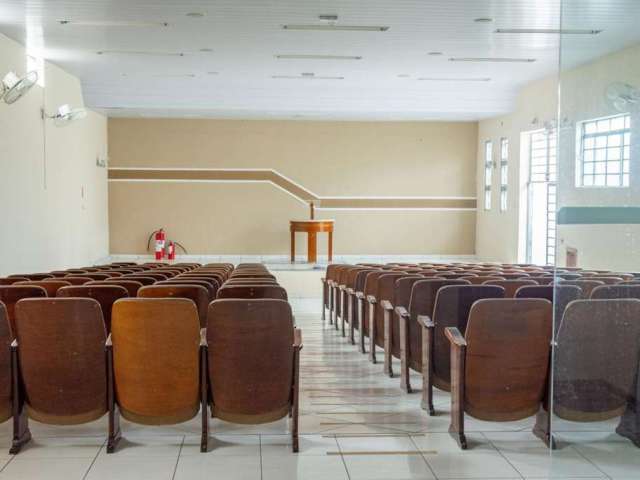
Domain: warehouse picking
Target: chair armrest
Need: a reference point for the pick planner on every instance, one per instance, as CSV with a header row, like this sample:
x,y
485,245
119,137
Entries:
x,y
455,337
297,338
371,299
108,342
342,287
402,312
360,295
425,321
386,304
350,291
203,337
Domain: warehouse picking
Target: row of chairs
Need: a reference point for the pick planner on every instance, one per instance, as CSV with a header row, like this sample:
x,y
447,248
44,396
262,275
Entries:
x,y
156,352
484,332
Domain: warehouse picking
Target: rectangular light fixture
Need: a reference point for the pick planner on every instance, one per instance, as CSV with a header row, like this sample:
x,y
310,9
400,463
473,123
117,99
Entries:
x,y
111,23
438,79
318,57
553,31
336,28
141,53
305,77
492,59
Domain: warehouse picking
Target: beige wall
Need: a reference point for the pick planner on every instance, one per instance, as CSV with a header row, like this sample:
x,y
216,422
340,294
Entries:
x,y
331,159
582,93
60,221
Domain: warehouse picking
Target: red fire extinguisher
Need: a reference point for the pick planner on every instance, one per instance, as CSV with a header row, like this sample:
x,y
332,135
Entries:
x,y
171,251
160,238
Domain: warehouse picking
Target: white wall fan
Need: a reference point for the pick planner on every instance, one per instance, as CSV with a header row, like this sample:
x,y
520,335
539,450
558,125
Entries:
x,y
622,96
14,87
66,115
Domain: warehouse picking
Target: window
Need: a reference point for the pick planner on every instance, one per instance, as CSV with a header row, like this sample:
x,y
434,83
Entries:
x,y
504,173
488,171
604,146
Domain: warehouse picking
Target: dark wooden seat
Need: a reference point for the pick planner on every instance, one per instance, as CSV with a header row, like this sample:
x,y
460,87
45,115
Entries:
x,y
499,369
74,280
370,309
351,285
12,280
61,351
480,279
50,285
263,386
511,286
211,285
131,286
157,357
6,337
253,291
196,293
144,280
105,295
328,290
11,294
451,309
618,291
152,274
96,276
33,276
596,362
586,285
422,299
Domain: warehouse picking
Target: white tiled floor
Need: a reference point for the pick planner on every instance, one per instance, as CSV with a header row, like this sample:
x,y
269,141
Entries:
x,y
355,424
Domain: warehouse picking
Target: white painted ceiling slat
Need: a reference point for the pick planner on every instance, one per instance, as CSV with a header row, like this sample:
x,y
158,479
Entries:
x,y
245,36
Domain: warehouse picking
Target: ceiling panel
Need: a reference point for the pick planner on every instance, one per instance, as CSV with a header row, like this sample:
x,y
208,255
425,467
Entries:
x,y
228,56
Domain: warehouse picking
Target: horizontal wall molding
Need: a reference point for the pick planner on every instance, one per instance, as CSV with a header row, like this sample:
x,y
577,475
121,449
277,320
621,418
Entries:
x,y
287,185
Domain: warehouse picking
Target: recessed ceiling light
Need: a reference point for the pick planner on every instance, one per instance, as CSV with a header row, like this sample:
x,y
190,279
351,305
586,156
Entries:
x,y
305,76
196,14
492,59
334,28
111,23
554,31
404,75
442,79
483,20
435,54
212,73
328,18
140,52
206,50
317,57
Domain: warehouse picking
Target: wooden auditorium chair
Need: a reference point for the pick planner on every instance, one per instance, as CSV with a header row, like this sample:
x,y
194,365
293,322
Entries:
x,y
586,285
358,297
451,309
210,285
351,286
196,293
511,286
105,295
261,386
253,291
60,351
131,286
33,276
12,280
500,367
618,291
11,294
595,365
6,377
50,285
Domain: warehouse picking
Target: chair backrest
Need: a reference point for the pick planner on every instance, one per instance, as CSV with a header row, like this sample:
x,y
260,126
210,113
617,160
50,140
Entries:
x,y
514,275
480,279
586,286
156,276
196,293
386,291
51,286
421,302
10,294
596,359
105,295
253,291
536,291
77,280
33,276
511,286
451,309
211,291
131,286
97,276
612,292
507,360
12,280
608,280
61,345
6,337
370,288
156,345
144,280
250,359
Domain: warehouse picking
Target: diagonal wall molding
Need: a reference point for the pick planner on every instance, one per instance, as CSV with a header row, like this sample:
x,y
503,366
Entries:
x,y
299,192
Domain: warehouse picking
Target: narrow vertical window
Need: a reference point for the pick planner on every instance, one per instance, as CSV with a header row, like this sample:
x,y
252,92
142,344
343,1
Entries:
x,y
504,173
488,171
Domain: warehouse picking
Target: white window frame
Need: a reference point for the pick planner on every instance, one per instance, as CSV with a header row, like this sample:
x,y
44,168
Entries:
x,y
504,174
582,138
488,173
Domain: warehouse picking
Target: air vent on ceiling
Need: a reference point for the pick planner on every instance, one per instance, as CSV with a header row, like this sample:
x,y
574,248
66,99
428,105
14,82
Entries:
x,y
336,28
317,57
141,53
306,76
492,59
454,79
552,31
111,23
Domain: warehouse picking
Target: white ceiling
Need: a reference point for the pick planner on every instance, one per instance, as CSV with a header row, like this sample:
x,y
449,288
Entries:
x,y
245,36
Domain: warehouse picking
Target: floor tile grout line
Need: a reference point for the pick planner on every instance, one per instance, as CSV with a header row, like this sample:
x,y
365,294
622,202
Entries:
x,y
94,460
175,468
7,463
344,462
423,457
502,455
589,461
260,454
